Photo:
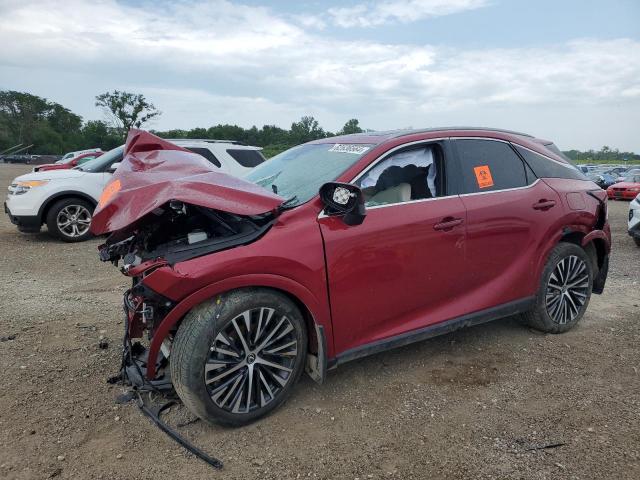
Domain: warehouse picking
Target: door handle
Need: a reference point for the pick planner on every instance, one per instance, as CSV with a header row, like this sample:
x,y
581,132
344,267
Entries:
x,y
544,204
447,223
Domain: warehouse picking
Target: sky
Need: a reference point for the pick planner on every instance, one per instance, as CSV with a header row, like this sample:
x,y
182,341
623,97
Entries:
x,y
564,70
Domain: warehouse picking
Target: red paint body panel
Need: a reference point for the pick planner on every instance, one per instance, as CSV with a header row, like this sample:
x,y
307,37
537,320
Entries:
x,y
155,171
289,257
505,238
395,272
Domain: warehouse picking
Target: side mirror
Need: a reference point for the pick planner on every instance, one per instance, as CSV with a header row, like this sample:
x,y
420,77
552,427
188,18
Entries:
x,y
345,200
114,166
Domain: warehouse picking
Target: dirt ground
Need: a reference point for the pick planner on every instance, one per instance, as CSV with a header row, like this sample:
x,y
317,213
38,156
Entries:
x,y
479,403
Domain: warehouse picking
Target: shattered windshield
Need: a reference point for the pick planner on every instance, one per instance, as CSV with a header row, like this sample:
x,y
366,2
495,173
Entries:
x,y
301,171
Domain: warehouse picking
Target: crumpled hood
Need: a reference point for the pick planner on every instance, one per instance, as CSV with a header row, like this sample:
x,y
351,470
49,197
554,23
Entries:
x,y
155,171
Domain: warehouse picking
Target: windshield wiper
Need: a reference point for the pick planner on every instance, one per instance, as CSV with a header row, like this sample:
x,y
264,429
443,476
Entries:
x,y
288,203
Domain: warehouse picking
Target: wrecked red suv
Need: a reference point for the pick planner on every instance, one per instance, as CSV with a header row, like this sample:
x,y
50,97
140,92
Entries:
x,y
337,249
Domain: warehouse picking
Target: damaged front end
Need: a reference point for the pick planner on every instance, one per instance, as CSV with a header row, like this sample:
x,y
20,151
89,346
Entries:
x,y
165,206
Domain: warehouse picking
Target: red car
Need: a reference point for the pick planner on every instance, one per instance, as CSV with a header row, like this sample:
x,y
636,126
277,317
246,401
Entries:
x,y
70,163
337,249
628,189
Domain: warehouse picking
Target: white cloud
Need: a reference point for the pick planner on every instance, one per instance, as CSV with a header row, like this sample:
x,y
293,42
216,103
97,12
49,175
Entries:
x,y
205,62
371,14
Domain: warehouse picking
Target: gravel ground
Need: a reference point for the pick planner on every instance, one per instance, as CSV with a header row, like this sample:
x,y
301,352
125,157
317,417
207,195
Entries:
x,y
478,403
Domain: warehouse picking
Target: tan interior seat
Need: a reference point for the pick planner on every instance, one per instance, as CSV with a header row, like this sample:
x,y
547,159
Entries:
x,y
399,193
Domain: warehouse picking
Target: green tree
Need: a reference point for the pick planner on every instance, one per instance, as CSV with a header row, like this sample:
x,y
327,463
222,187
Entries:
x,y
21,113
352,126
126,110
97,134
305,130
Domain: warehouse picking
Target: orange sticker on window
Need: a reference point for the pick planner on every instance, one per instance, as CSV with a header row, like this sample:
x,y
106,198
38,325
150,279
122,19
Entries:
x,y
483,176
108,193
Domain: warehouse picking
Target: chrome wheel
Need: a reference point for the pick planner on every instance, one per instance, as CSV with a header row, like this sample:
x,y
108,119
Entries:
x,y
251,360
74,220
567,289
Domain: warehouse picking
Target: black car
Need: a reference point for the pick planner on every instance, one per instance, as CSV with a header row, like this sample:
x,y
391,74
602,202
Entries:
x,y
603,180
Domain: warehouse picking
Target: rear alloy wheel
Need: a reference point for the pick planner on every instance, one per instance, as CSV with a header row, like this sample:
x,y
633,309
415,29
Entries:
x,y
564,291
70,219
235,361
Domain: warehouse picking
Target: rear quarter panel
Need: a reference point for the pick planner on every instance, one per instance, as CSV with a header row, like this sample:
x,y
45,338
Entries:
x,y
580,212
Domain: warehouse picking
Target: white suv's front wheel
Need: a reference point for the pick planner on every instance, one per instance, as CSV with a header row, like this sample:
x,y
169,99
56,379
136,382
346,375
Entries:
x,y
69,219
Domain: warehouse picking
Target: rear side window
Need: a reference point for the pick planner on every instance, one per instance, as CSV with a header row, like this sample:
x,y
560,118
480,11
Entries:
x,y
206,153
544,167
488,165
246,158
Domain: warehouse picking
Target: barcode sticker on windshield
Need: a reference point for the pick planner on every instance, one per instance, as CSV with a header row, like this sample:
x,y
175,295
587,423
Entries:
x,y
349,148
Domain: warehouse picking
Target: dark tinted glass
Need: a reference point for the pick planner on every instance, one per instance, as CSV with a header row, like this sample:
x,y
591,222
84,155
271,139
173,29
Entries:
x,y
103,162
246,158
206,153
547,168
557,151
488,165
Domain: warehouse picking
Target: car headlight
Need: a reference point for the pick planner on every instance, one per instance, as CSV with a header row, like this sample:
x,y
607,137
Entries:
x,y
24,187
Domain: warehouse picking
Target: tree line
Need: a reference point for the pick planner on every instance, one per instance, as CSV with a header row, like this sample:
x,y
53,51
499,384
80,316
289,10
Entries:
x,y
604,154
54,129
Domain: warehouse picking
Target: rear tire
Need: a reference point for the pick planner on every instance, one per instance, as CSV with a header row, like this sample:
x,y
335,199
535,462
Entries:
x,y
564,291
237,357
69,220
637,240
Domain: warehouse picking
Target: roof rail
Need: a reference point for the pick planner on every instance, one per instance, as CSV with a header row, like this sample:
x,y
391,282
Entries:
x,y
411,131
207,140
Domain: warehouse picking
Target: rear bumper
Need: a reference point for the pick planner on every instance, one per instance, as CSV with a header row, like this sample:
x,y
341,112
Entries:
x,y
24,223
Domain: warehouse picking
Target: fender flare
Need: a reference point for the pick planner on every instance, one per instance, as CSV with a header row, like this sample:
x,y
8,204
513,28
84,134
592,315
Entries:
x,y
596,235
65,193
285,284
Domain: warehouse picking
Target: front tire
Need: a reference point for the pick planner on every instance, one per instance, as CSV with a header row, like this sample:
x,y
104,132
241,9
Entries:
x,y
69,219
637,240
237,357
564,292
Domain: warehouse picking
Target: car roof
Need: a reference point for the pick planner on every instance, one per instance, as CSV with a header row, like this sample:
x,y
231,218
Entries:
x,y
378,137
394,137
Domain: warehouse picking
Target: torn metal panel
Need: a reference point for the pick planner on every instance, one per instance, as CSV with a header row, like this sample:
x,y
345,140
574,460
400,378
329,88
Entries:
x,y
154,172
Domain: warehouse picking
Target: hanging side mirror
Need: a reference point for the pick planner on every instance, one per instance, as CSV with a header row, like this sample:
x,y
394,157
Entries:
x,y
345,200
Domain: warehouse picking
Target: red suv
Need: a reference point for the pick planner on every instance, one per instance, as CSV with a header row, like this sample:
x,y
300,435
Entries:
x,y
337,249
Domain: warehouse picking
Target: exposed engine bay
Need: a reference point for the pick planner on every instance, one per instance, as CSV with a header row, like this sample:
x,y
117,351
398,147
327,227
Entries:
x,y
178,231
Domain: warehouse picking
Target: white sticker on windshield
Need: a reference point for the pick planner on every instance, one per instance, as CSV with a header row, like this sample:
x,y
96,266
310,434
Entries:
x,y
349,148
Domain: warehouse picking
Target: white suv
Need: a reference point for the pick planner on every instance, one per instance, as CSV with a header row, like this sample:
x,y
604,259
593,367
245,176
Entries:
x,y
65,199
634,219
